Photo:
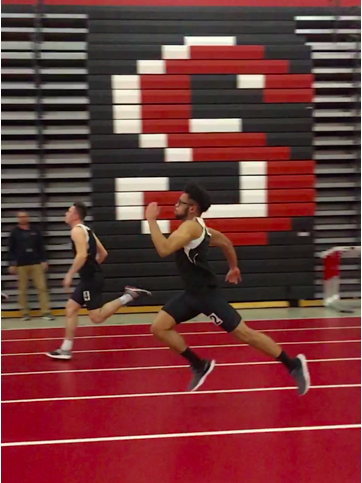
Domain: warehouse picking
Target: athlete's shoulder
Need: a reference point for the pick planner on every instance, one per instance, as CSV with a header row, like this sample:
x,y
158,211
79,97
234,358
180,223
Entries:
x,y
78,230
192,226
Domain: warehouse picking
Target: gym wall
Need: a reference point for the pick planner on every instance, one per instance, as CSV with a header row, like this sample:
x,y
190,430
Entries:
x,y
220,95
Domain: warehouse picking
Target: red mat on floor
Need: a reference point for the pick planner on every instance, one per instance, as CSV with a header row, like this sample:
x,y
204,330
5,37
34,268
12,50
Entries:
x,y
118,412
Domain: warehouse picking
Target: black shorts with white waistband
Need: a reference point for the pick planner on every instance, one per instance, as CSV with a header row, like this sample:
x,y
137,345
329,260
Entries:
x,y
186,306
89,292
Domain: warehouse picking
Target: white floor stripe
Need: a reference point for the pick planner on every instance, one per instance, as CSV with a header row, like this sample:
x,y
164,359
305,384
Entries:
x,y
185,435
180,366
211,332
175,393
292,319
194,347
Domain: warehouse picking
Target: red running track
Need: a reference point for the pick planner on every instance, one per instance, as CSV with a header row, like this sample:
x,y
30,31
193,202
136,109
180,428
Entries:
x,y
193,338
166,380
100,418
142,358
260,399
301,457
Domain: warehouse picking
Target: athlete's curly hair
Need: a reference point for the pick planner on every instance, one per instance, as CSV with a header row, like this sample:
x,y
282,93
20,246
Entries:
x,y
199,195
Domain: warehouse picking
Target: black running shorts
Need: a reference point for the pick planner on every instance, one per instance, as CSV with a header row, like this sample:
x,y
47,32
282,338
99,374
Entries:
x,y
89,292
185,306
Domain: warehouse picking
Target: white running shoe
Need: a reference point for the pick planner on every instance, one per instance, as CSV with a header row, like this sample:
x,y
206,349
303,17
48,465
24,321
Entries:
x,y
135,292
60,354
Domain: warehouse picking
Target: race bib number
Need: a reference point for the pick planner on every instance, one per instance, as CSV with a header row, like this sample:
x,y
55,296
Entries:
x,y
216,319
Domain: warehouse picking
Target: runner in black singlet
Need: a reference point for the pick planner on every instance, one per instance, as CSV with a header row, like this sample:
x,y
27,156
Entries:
x,y
89,253
190,243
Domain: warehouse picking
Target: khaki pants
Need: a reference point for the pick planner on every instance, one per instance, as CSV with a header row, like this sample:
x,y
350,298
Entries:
x,y
37,274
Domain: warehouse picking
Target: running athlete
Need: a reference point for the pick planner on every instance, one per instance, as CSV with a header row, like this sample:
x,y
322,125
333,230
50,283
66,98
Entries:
x,y
89,254
190,243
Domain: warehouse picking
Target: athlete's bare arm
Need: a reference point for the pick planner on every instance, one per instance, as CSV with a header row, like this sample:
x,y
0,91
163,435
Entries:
x,y
79,238
188,231
101,251
218,239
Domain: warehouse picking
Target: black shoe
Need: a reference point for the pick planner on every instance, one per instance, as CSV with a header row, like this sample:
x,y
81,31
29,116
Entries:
x,y
301,375
200,375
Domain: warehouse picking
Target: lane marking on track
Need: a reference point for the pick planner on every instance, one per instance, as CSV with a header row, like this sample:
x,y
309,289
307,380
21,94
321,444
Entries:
x,y
179,366
212,332
184,435
347,341
175,393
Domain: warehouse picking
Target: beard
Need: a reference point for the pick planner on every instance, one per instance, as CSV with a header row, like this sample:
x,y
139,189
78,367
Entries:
x,y
182,216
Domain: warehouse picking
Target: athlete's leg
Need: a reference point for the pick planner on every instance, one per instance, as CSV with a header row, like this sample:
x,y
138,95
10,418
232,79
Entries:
x,y
71,323
256,339
177,310
228,318
72,308
225,316
71,318
163,328
297,366
99,315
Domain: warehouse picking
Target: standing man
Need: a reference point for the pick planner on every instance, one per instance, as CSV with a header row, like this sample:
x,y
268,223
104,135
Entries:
x,y
27,258
89,253
190,243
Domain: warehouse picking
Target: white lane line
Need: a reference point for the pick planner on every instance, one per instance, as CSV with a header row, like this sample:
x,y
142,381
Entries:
x,y
212,332
348,341
179,366
184,435
296,319
174,393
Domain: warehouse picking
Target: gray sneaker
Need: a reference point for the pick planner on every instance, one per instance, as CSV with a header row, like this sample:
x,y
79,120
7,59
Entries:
x,y
26,318
200,375
60,354
301,375
48,317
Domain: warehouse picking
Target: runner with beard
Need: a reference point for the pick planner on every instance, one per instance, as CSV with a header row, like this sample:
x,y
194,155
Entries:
x,y
202,295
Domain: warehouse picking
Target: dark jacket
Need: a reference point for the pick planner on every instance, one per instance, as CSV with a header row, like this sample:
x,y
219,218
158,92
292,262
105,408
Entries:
x,y
26,247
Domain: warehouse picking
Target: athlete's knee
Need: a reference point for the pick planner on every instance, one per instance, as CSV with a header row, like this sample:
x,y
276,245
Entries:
x,y
244,333
163,322
96,316
71,308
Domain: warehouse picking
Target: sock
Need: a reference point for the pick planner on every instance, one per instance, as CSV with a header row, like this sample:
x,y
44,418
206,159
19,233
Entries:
x,y
193,358
289,363
67,345
125,299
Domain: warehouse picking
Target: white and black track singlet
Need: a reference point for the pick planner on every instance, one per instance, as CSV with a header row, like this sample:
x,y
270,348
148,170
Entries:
x,y
91,266
193,265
